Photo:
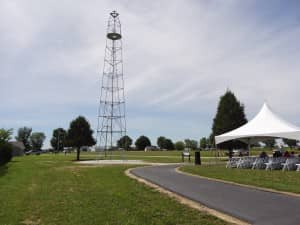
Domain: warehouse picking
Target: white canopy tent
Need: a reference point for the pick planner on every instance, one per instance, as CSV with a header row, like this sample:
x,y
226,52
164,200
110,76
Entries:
x,y
264,125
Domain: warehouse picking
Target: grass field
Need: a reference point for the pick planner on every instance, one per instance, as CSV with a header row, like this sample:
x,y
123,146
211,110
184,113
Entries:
x,y
283,181
51,189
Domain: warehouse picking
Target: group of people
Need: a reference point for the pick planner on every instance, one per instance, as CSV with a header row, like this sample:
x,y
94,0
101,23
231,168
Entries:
x,y
278,153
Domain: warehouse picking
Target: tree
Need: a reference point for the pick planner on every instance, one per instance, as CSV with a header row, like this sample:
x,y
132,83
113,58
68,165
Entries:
x,y
165,143
5,135
179,145
192,144
270,142
142,142
36,140
161,142
211,140
58,139
290,142
5,147
5,153
230,115
23,136
125,142
169,145
80,134
203,142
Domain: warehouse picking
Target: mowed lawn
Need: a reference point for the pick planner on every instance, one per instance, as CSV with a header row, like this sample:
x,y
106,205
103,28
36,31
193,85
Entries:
x,y
51,189
279,180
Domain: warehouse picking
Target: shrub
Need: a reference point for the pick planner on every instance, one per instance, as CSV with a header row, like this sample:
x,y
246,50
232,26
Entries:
x,y
5,153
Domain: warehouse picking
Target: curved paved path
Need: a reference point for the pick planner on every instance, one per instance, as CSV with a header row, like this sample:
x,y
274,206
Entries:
x,y
251,205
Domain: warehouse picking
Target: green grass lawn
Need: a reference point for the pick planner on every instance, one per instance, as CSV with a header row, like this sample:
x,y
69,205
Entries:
x,y
283,181
51,189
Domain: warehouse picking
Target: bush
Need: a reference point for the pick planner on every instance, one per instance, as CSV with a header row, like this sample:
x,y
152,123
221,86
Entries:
x,y
5,153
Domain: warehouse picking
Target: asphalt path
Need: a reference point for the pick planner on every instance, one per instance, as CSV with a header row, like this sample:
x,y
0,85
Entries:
x,y
251,205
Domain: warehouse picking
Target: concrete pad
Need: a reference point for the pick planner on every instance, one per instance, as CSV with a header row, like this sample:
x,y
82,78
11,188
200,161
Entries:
x,y
119,162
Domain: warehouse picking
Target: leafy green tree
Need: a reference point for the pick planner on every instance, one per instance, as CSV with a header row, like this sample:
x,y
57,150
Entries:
x,y
179,145
58,139
80,134
125,142
203,142
161,141
169,145
5,147
165,143
5,135
36,140
290,142
24,137
142,142
192,144
230,115
270,142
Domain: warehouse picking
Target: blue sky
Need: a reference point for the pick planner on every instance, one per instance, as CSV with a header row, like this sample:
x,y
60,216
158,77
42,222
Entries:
x,y
179,57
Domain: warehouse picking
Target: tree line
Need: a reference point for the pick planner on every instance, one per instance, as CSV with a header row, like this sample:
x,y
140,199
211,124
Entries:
x,y
162,142
78,135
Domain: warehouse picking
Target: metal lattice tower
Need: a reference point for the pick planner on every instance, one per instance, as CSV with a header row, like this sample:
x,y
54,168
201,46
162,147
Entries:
x,y
111,115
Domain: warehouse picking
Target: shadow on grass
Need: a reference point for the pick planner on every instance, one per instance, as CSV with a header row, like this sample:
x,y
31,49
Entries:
x,y
3,170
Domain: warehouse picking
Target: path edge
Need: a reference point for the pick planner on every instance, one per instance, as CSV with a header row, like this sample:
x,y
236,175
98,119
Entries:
x,y
185,201
177,169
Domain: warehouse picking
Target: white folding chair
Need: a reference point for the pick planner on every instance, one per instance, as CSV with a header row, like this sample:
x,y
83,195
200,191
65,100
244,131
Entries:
x,y
275,163
260,163
232,162
290,164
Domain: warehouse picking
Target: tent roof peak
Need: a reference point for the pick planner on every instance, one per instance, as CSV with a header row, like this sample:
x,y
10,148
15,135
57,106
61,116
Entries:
x,y
265,124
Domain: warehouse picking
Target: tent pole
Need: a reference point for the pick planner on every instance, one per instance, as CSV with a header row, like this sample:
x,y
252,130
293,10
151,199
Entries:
x,y
249,146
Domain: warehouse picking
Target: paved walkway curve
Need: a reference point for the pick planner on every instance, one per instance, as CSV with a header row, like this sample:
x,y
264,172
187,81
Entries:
x,y
253,206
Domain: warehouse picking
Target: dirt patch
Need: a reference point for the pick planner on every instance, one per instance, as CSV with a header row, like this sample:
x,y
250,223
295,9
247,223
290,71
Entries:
x,y
32,187
31,221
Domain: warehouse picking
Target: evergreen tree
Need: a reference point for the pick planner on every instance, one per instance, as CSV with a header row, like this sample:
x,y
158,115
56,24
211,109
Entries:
x,y
230,115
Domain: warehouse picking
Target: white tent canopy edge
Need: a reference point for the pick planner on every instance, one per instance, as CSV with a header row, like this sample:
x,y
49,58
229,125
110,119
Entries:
x,y
264,125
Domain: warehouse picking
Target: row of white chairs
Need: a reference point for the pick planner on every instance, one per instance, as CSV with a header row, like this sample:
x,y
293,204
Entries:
x,y
264,163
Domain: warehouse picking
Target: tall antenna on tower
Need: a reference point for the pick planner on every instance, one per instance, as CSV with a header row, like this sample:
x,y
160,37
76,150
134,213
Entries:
x,y
111,114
